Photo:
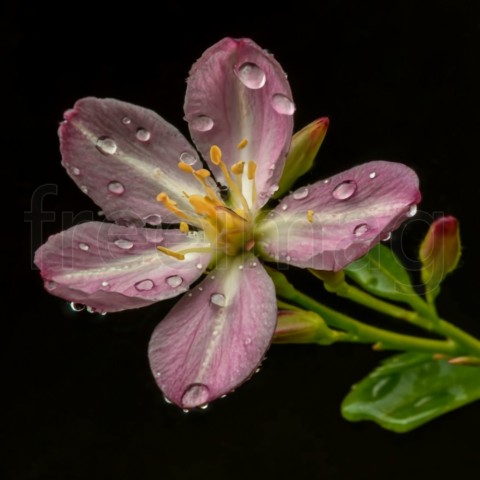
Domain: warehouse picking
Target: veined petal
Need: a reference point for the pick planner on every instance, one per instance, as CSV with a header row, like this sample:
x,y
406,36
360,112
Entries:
x,y
333,222
111,267
216,336
123,156
238,91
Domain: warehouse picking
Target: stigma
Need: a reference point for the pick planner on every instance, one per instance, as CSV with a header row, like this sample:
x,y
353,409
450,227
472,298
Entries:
x,y
227,223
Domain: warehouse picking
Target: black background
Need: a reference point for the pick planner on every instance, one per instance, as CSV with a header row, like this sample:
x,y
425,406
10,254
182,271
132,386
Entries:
x,y
399,81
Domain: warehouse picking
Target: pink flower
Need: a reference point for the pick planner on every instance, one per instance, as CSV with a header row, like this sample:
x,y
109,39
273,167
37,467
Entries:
x,y
139,169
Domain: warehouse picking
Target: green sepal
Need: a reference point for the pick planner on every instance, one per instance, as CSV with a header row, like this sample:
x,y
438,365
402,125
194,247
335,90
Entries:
x,y
304,149
381,273
409,390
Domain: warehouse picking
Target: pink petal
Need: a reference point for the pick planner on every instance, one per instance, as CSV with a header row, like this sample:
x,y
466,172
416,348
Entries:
x,y
123,156
350,213
238,91
111,267
216,336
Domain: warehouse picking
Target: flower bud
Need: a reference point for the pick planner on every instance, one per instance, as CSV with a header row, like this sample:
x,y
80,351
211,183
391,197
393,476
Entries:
x,y
303,150
440,251
302,326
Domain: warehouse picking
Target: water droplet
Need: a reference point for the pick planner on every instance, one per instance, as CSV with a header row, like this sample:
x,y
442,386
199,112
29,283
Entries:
x,y
326,181
50,285
344,190
77,307
154,219
90,310
143,135
174,281
284,207
186,410
387,237
84,246
101,213
301,193
204,407
199,266
188,158
251,75
282,104
202,123
105,284
412,211
195,395
144,285
123,243
157,374
106,145
372,174
126,121
247,341
167,400
75,171
360,230
84,189
116,187
288,258
218,299
240,267
252,264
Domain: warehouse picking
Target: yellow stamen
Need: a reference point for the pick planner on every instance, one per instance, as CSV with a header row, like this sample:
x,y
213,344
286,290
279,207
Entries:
x,y
202,173
252,168
171,205
185,167
215,155
202,205
237,168
242,144
310,216
171,253
184,228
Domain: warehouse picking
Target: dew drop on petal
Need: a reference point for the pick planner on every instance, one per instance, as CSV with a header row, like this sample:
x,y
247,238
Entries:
x,y
123,243
412,211
247,341
50,285
84,246
301,193
326,181
153,219
126,121
77,307
75,171
284,207
188,158
84,189
372,174
195,395
251,75
282,104
204,407
360,230
344,190
174,281
143,135
106,145
116,187
167,400
90,310
386,237
288,258
144,285
199,266
105,284
202,123
218,299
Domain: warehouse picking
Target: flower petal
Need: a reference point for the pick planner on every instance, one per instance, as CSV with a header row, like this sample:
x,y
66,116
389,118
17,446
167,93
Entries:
x,y
216,336
238,91
333,222
111,267
123,156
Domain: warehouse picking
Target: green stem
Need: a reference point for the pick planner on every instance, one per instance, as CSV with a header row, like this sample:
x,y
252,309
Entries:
x,y
363,333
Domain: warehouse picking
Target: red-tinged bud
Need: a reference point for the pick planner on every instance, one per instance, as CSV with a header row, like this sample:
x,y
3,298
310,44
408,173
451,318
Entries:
x,y
440,251
302,326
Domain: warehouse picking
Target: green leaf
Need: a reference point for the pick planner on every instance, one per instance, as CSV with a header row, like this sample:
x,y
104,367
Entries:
x,y
381,273
411,389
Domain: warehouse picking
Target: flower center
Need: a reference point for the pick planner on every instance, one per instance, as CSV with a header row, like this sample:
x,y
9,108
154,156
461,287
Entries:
x,y
226,223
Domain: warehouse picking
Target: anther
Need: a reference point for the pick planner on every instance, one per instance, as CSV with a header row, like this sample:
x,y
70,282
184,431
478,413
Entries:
x,y
237,168
242,144
184,228
310,216
215,155
252,168
171,253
